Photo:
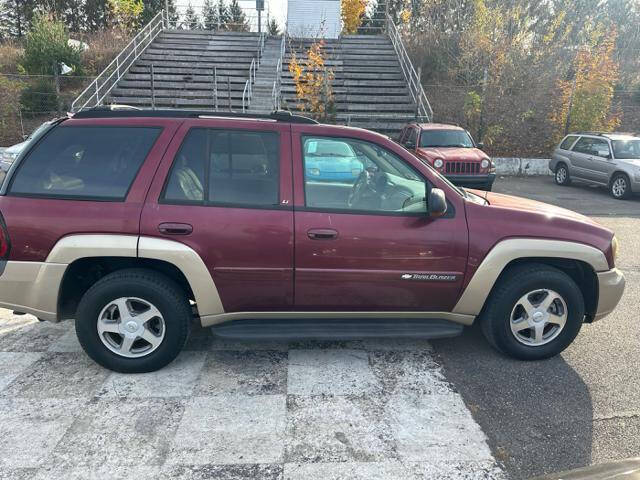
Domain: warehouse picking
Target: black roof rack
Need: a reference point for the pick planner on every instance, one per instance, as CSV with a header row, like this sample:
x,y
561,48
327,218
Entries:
x,y
125,111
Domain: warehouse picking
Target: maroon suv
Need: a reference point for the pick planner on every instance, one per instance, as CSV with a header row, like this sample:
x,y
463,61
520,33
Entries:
x,y
137,223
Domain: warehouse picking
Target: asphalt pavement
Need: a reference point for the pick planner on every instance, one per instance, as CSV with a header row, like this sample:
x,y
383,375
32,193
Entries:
x,y
582,407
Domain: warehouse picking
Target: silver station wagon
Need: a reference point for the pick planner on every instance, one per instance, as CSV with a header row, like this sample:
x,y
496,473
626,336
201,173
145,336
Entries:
x,y
609,159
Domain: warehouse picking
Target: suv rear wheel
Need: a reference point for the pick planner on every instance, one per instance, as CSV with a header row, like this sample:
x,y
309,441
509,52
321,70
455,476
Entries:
x,y
562,175
133,321
620,187
534,312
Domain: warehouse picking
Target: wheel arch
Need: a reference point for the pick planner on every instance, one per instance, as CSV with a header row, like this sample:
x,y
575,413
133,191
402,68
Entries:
x,y
84,272
618,171
88,257
579,261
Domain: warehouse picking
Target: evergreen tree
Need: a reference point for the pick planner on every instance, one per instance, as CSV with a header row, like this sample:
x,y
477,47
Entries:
x,y
209,15
223,15
19,15
96,14
5,31
191,20
238,20
273,28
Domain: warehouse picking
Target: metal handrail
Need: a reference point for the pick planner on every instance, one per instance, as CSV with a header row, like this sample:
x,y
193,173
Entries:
x,y
215,88
413,79
246,95
276,92
96,89
261,38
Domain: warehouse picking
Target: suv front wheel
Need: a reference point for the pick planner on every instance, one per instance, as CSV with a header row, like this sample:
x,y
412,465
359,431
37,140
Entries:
x,y
562,175
133,321
620,187
534,312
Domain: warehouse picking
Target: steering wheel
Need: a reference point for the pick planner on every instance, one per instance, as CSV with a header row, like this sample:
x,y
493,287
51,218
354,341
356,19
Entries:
x,y
369,185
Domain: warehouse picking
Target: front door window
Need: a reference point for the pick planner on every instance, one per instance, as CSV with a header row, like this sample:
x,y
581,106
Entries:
x,y
352,175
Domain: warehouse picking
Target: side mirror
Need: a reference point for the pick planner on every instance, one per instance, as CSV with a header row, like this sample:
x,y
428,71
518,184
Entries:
x,y
410,145
437,203
480,145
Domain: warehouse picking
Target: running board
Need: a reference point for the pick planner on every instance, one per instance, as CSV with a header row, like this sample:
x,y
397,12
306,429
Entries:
x,y
336,329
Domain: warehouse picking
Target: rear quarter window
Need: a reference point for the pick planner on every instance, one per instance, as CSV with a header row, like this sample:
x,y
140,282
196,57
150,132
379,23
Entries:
x,y
88,162
568,142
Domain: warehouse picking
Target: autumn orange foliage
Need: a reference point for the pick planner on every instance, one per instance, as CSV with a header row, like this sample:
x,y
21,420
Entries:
x,y
595,72
352,14
313,82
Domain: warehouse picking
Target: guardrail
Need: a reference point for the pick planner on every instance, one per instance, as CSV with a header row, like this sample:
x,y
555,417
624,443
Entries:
x,y
98,90
413,79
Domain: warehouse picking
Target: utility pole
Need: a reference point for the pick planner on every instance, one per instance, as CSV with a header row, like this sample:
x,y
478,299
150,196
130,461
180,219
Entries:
x,y
573,89
166,12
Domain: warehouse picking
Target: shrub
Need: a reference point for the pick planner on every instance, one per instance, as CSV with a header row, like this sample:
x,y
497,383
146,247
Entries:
x,y
9,111
47,46
39,97
10,54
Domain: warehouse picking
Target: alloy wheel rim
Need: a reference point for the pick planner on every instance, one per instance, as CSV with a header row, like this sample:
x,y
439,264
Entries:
x,y
619,187
561,175
131,327
538,317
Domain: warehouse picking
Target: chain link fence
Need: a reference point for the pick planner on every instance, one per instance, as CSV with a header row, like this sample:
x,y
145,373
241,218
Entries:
x,y
30,100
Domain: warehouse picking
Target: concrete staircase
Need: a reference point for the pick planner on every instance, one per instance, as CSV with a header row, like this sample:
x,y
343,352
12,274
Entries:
x,y
262,100
183,64
369,87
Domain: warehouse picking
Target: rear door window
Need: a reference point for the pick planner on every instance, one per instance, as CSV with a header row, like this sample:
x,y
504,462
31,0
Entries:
x,y
592,146
221,167
88,162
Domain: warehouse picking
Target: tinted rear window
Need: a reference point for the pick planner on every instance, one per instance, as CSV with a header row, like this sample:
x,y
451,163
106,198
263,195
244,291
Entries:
x,y
223,167
84,162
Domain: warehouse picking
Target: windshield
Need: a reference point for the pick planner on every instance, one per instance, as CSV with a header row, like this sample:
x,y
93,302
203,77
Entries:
x,y
626,148
445,138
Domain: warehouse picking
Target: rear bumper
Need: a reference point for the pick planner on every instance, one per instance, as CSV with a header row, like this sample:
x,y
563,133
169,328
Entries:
x,y
610,289
472,181
32,287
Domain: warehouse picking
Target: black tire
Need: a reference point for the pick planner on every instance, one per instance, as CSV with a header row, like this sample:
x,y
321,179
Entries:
x,y
515,283
562,178
620,182
157,289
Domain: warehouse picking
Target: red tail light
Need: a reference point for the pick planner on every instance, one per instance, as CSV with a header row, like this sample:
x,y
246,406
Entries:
x,y
5,243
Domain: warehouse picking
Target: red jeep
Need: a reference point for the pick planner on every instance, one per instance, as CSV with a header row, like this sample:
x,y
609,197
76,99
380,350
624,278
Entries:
x,y
137,223
450,150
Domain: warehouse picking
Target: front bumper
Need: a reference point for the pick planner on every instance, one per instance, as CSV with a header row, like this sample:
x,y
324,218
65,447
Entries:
x,y
610,288
472,181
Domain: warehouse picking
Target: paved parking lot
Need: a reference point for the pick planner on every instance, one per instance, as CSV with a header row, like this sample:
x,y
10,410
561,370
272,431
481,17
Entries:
x,y
226,410
577,409
384,409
